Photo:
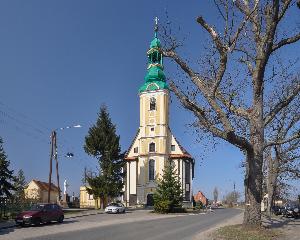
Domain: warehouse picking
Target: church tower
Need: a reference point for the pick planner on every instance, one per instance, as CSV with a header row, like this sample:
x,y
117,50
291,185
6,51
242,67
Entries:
x,y
154,143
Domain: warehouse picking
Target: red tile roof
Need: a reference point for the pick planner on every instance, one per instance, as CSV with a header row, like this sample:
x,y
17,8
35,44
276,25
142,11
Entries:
x,y
45,186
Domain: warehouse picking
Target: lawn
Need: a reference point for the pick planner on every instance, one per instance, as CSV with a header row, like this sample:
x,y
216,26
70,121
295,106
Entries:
x,y
239,232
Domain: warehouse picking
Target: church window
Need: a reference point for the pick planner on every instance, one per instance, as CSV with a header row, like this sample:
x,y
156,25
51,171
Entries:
x,y
151,169
172,147
136,150
152,129
152,104
152,147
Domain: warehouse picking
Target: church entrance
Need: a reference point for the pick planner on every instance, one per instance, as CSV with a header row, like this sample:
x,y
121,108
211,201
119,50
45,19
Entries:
x,y
150,200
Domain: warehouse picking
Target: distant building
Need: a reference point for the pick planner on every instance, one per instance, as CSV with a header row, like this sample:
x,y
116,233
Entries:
x,y
87,200
201,197
38,190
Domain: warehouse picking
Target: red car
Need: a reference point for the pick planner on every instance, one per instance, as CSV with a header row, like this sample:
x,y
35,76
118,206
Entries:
x,y
40,213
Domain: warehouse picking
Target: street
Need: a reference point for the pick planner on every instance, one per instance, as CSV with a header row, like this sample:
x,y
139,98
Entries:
x,y
139,224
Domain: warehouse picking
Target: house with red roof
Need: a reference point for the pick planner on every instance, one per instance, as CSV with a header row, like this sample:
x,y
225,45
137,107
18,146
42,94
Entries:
x,y
38,190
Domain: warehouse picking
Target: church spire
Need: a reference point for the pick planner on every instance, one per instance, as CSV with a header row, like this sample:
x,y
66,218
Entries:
x,y
155,77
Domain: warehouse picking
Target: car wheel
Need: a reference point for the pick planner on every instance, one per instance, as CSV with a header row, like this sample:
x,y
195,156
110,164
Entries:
x,y
118,211
61,219
124,211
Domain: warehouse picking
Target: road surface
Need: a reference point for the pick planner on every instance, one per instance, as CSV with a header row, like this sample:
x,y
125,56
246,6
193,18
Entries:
x,y
139,224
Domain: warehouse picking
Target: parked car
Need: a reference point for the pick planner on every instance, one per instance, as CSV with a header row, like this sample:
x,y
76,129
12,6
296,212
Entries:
x,y
291,211
40,213
277,210
115,208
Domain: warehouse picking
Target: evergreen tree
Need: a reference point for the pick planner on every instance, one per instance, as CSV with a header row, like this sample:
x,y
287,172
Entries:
x,y
102,142
6,176
19,186
168,195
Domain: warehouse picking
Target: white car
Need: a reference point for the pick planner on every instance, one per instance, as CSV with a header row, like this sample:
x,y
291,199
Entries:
x,y
115,208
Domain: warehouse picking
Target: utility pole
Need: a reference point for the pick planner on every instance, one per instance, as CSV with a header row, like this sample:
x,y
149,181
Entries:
x,y
56,163
53,153
50,169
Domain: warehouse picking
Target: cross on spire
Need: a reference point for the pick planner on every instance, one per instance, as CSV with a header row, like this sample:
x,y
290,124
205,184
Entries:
x,y
156,25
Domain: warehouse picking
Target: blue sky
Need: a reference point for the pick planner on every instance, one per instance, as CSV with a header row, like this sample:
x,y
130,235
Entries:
x,y
61,59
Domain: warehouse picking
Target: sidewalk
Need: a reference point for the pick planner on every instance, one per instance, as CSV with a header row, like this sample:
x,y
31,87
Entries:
x,y
68,215
289,227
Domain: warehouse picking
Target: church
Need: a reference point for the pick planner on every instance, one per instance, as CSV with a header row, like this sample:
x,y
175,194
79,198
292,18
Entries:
x,y
154,143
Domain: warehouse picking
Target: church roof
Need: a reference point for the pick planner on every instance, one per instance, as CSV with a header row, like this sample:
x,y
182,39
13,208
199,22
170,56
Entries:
x,y
131,145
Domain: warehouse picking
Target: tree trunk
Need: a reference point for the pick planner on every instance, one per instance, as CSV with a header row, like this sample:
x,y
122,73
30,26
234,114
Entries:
x,y
273,165
254,173
253,187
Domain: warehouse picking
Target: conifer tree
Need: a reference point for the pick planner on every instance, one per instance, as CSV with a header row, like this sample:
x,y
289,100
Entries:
x,y
19,186
102,142
6,176
168,195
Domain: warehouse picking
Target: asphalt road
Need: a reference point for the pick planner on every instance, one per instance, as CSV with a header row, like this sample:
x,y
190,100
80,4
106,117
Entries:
x,y
133,225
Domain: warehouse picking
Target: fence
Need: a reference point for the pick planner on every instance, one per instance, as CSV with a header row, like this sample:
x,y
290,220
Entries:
x,y
9,208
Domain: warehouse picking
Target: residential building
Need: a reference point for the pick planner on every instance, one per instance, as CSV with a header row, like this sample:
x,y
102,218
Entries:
x,y
38,190
200,197
87,200
154,144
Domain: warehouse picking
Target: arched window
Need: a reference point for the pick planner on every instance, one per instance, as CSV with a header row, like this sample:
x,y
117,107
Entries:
x,y
152,104
152,147
151,169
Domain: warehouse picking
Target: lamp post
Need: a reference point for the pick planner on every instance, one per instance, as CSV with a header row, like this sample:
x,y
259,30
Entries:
x,y
53,153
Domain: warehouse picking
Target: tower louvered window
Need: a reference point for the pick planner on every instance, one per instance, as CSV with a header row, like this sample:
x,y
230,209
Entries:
x,y
152,104
152,147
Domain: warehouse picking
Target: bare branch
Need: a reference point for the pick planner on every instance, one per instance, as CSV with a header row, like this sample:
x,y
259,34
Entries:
x,y
286,41
281,142
282,104
202,115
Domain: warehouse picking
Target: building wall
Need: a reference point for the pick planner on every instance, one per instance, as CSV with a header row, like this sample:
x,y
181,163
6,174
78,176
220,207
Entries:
x,y
34,192
87,200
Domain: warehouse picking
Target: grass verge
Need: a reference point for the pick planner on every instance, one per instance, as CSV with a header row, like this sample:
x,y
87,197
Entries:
x,y
239,232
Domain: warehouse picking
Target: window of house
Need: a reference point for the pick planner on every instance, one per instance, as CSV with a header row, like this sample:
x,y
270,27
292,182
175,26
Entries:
x,y
152,129
151,169
90,197
152,147
172,147
152,104
136,150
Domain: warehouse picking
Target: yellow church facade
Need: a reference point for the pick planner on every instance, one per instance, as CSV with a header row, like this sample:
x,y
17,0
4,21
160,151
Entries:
x,y
154,144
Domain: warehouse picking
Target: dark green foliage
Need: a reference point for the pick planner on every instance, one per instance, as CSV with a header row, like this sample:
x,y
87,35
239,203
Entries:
x,y
102,142
6,176
168,195
19,186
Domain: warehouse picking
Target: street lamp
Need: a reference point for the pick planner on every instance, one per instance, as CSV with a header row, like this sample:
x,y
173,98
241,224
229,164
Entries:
x,y
53,153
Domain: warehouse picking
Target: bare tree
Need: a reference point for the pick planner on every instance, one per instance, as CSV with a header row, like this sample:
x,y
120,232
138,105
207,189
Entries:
x,y
216,194
227,92
283,161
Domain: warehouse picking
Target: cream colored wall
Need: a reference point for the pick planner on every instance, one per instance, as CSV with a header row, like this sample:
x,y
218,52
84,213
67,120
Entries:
x,y
34,192
86,200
